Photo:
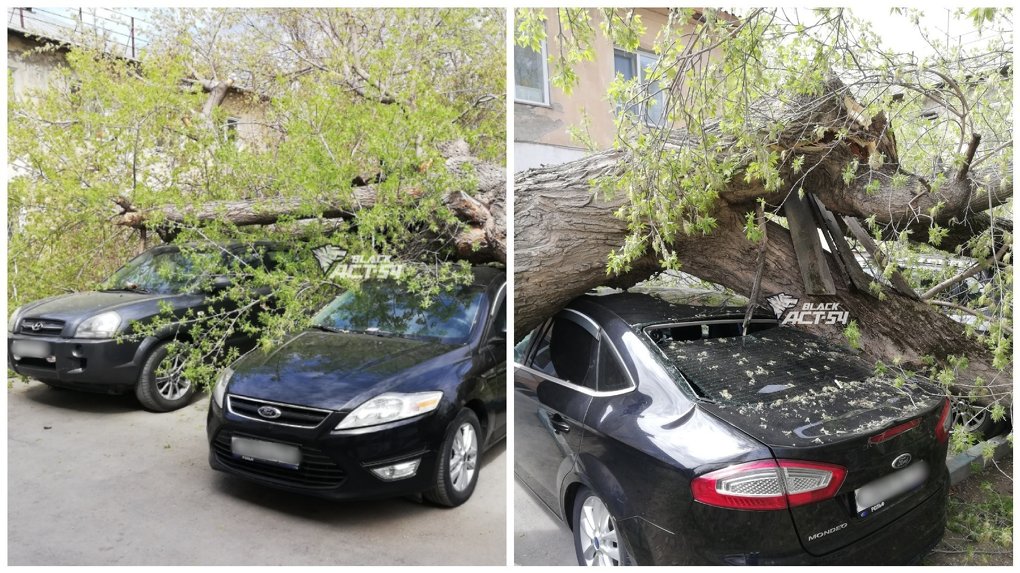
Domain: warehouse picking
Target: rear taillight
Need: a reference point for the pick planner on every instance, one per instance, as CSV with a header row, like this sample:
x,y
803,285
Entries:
x,y
768,484
945,423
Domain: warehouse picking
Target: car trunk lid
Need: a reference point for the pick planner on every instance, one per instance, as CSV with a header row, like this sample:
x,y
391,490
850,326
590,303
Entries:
x,y
811,401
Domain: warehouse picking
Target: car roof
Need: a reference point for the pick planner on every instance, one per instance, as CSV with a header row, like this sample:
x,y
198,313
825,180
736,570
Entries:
x,y
649,305
484,275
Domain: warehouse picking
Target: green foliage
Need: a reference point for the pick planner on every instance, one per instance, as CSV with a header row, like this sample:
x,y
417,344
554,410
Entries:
x,y
988,520
852,333
727,83
311,131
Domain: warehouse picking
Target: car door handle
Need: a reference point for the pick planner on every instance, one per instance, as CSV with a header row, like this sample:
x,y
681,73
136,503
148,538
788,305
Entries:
x,y
559,424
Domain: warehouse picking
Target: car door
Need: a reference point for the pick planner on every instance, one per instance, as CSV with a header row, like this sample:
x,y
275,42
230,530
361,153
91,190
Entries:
x,y
552,391
494,377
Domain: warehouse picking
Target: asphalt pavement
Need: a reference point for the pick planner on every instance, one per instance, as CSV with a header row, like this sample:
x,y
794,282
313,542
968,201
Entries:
x,y
96,480
539,538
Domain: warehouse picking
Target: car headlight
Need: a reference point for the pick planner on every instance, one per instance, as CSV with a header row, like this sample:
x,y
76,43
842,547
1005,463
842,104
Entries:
x,y
220,389
103,325
15,317
390,407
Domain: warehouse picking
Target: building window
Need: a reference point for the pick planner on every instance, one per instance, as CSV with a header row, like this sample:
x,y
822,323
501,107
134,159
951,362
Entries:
x,y
230,128
531,77
639,64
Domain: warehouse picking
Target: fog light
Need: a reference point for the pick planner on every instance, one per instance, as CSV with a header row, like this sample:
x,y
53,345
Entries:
x,y
17,357
51,359
397,471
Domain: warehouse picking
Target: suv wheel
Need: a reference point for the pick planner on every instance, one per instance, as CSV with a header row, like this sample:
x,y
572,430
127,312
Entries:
x,y
457,470
597,539
161,386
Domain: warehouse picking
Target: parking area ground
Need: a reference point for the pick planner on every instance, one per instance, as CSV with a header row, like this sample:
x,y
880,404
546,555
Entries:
x,y
539,538
95,480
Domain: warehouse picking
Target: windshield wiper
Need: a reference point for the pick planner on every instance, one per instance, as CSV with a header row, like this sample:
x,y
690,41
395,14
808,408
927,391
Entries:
x,y
326,328
382,333
126,288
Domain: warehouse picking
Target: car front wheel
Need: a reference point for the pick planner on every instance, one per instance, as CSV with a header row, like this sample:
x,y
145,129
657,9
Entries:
x,y
457,470
162,386
596,537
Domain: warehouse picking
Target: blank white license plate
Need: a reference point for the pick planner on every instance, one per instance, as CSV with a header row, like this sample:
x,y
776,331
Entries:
x,y
890,486
272,452
31,348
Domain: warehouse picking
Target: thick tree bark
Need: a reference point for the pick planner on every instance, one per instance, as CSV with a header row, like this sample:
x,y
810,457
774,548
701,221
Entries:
x,y
563,235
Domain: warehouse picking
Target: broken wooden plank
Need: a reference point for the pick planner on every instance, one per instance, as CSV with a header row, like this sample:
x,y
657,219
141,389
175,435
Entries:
x,y
842,251
898,282
814,270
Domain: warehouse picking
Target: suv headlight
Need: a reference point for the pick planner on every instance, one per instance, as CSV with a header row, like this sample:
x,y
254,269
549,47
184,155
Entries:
x,y
390,407
15,317
220,389
103,325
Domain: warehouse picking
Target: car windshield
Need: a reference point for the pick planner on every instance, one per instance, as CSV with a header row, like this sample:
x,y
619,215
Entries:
x,y
383,309
764,366
162,271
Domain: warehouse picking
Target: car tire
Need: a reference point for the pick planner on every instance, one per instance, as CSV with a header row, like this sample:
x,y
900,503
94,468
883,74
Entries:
x,y
596,537
456,471
156,393
977,420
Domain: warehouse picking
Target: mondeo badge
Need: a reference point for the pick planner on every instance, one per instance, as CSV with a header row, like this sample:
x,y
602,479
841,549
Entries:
x,y
901,461
272,413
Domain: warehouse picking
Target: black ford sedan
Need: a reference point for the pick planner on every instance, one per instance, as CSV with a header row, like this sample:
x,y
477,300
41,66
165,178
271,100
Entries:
x,y
662,436
90,341
384,396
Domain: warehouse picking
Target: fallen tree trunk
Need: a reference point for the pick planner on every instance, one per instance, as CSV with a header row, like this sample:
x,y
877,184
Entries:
x,y
480,238
563,235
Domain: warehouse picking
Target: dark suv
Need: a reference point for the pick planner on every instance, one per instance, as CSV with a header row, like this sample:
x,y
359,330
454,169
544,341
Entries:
x,y
91,341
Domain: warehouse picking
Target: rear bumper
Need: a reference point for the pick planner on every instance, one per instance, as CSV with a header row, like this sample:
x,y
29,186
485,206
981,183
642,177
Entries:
x,y
83,364
901,542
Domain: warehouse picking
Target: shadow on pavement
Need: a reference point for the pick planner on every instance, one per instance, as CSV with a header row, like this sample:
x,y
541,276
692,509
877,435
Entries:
x,y
95,403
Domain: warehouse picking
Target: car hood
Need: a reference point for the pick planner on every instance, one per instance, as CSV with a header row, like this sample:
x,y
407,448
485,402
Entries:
x,y
335,371
77,306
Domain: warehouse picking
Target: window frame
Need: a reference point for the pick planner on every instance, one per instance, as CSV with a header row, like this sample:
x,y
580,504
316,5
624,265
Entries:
x,y
640,71
601,336
543,56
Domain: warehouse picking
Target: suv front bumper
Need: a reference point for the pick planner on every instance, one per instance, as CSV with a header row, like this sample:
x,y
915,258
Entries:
x,y
101,365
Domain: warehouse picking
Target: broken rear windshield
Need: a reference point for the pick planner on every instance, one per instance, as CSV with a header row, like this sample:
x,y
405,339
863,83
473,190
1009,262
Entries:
x,y
763,366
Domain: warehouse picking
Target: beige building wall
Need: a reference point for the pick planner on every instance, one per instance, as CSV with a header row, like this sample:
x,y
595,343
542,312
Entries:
x,y
541,135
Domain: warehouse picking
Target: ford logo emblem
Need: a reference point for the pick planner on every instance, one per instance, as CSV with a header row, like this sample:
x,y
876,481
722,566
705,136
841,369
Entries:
x,y
900,462
272,413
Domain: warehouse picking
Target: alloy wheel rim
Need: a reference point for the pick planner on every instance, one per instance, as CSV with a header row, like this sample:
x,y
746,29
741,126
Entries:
x,y
600,543
171,385
463,457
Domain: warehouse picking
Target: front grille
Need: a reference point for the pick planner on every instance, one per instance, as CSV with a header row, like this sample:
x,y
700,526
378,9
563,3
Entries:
x,y
316,471
41,327
290,415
